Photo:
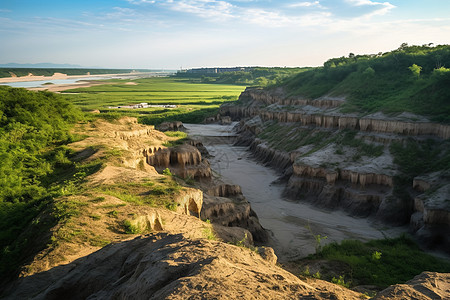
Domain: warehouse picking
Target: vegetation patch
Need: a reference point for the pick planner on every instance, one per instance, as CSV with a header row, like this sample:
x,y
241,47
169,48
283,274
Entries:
x,y
152,193
378,262
434,156
194,100
180,138
33,128
257,76
390,82
289,137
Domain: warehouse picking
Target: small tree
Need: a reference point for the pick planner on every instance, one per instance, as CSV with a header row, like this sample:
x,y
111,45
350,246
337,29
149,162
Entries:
x,y
369,72
415,69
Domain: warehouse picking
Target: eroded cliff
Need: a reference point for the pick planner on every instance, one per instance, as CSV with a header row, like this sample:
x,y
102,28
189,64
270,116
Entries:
x,y
344,161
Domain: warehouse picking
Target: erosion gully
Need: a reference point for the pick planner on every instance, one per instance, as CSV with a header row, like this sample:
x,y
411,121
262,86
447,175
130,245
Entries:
x,y
292,225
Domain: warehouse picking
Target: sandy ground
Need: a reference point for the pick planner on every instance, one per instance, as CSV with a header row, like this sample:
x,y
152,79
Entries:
x,y
292,225
55,76
62,87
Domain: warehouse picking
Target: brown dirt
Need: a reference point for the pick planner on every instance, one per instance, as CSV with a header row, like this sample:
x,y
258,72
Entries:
x,y
162,266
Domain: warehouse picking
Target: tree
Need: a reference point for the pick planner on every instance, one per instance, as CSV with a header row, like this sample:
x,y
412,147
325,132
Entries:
x,y
415,69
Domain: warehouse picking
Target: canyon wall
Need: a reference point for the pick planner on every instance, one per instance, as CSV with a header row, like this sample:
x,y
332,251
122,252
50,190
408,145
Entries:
x,y
325,113
363,186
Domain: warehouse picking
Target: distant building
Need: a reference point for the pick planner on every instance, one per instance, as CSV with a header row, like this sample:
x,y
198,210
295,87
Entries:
x,y
217,70
141,105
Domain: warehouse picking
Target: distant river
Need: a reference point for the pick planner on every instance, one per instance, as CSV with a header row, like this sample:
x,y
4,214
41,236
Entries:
x,y
42,83
291,224
68,81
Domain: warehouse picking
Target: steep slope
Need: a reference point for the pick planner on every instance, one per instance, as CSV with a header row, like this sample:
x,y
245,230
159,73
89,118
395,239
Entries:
x,y
162,266
356,142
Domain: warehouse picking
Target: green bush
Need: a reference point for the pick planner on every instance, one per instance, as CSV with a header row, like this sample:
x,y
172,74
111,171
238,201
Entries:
x,y
33,128
378,262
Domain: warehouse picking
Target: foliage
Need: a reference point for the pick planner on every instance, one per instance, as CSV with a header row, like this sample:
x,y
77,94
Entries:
x,y
288,137
33,127
340,281
434,156
208,233
167,172
177,134
180,135
415,69
155,194
378,262
383,81
318,238
130,228
256,76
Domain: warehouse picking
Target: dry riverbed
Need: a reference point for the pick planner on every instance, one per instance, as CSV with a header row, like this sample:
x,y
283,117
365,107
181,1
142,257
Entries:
x,y
292,225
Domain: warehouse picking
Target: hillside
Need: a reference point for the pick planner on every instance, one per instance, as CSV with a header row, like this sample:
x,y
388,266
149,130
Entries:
x,y
374,144
412,79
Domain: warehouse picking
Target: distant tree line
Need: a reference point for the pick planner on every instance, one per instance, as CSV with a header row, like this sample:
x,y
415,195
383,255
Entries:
x,y
256,76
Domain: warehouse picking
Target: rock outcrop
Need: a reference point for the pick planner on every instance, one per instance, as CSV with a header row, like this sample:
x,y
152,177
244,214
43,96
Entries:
x,y
431,219
189,202
183,160
426,286
277,159
171,126
225,205
163,266
325,113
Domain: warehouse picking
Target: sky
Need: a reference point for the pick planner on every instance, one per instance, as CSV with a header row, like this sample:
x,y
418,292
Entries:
x,y
174,34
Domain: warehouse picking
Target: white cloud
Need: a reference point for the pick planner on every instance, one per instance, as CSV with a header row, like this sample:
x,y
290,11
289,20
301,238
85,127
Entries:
x,y
141,1
277,19
121,12
203,8
385,7
363,2
306,4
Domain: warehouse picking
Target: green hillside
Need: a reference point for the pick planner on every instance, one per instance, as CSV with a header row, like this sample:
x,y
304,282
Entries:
x,y
411,78
33,128
254,76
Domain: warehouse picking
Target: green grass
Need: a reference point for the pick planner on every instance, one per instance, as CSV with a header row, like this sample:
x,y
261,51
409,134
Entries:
x,y
288,137
180,135
383,82
155,194
194,101
418,157
378,262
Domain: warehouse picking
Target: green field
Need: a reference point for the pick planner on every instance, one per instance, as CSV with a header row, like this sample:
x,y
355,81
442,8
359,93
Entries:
x,y
194,101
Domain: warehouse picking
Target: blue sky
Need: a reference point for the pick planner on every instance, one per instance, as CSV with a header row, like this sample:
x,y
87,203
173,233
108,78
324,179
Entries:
x,y
195,33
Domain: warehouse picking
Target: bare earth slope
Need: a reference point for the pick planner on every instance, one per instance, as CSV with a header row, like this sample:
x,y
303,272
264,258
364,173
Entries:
x,y
165,266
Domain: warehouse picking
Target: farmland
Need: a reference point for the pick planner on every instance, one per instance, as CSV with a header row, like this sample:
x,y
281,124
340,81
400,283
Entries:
x,y
194,100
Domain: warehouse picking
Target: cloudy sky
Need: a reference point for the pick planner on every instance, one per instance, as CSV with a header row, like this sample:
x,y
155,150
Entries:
x,y
194,33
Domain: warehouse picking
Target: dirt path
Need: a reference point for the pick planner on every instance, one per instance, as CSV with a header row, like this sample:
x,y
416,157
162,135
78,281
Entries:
x,y
292,225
